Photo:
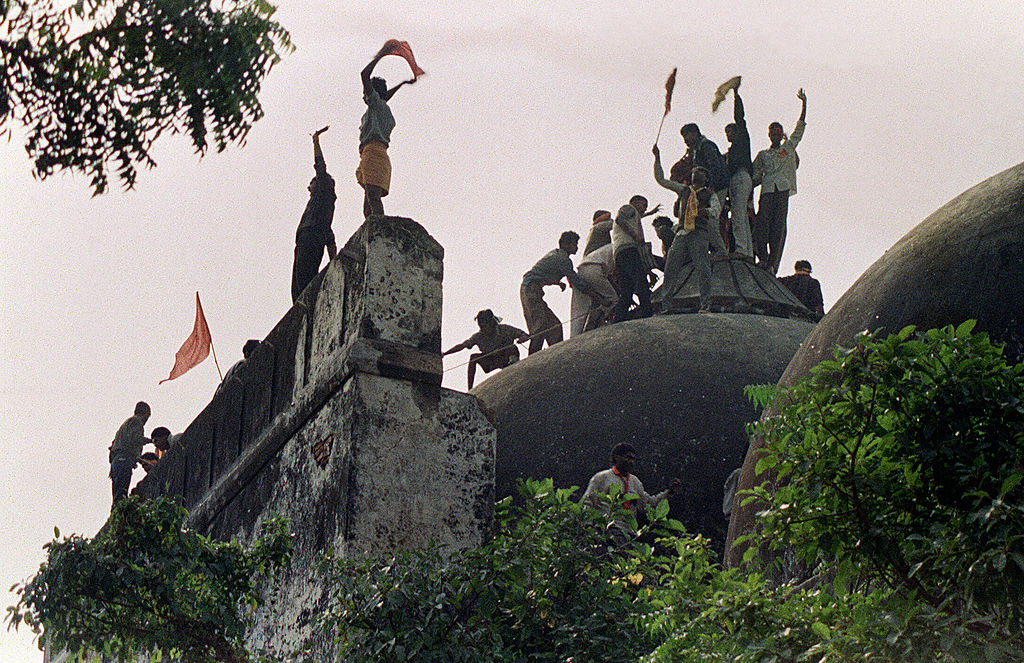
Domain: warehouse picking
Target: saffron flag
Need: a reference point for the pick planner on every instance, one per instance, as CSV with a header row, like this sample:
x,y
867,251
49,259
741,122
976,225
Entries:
x,y
723,89
403,50
670,85
196,347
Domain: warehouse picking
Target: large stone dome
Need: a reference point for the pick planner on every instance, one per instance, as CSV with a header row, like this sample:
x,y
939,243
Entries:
x,y
964,261
672,385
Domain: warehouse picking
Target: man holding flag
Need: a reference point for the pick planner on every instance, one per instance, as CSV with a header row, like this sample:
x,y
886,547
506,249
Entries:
x,y
374,171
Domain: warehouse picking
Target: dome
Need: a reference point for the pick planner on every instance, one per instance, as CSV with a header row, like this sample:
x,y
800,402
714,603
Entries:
x,y
672,385
964,261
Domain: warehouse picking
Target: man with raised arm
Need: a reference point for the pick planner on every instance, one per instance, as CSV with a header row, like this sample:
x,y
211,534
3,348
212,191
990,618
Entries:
x,y
696,230
374,171
738,166
774,168
314,233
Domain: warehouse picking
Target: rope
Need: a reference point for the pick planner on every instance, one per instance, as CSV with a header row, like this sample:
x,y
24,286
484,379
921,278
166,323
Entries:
x,y
523,342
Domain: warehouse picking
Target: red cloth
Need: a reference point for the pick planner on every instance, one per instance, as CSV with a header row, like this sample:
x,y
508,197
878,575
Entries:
x,y
670,85
196,347
402,49
627,501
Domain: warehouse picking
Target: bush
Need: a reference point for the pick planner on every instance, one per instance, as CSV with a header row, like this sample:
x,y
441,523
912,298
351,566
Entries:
x,y
557,582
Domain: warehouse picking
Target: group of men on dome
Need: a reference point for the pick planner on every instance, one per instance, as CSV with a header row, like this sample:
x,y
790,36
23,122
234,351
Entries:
x,y
714,215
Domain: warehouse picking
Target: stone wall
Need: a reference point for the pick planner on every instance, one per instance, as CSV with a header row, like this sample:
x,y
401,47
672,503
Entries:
x,y
339,422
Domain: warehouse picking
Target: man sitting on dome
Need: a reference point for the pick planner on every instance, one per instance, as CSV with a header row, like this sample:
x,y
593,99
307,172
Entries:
x,y
805,288
497,343
635,498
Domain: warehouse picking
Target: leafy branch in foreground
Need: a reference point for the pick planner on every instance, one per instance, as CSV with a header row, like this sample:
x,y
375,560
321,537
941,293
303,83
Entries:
x,y
146,585
98,81
558,582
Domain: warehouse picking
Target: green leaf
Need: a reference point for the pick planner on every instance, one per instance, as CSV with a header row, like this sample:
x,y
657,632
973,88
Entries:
x,y
966,327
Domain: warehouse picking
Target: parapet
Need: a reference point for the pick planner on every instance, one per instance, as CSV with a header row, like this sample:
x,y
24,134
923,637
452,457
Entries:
x,y
338,421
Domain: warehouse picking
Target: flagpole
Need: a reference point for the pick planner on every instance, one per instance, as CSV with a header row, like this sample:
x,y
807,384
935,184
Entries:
x,y
659,128
215,362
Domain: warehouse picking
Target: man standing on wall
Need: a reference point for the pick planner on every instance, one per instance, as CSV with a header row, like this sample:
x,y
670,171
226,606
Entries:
x,y
126,450
374,171
314,233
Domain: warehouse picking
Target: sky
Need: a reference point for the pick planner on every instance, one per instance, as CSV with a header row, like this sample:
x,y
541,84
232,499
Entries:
x,y
531,116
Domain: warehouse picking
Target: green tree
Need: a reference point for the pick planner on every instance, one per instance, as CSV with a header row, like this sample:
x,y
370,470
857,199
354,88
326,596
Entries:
x,y
556,583
96,82
898,485
147,585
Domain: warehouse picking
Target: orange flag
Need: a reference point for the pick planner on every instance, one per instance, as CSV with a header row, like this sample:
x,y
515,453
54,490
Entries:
x,y
402,49
196,347
670,85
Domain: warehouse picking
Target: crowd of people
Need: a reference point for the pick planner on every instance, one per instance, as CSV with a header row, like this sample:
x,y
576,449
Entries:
x,y
714,215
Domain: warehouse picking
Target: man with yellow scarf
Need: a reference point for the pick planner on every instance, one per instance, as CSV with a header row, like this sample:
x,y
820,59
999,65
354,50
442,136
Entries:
x,y
698,206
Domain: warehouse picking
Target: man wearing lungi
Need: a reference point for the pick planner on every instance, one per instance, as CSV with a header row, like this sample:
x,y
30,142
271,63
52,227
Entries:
x,y
374,171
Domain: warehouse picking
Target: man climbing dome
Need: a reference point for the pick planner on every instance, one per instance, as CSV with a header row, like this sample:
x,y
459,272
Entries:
x,y
314,233
542,322
374,171
497,343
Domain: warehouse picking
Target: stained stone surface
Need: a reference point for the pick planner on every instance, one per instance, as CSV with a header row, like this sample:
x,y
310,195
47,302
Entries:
x,y
339,423
964,261
672,385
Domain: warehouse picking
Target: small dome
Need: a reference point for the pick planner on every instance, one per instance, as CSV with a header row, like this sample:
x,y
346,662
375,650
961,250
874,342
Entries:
x,y
672,385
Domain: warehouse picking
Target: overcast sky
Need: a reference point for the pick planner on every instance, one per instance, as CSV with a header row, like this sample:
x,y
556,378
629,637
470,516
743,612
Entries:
x,y
531,116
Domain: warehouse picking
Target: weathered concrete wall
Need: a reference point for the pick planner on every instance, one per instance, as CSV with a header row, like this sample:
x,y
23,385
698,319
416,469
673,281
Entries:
x,y
339,422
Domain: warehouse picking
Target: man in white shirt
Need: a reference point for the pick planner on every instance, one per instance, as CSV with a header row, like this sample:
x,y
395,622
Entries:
x,y
627,242
621,474
775,170
586,312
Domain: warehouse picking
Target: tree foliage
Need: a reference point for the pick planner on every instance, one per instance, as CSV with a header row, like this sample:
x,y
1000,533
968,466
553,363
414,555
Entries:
x,y
146,585
95,82
556,583
899,486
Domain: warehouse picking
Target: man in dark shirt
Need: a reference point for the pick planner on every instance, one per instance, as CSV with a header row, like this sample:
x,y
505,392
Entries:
x,y
805,288
707,156
497,343
738,168
125,451
314,233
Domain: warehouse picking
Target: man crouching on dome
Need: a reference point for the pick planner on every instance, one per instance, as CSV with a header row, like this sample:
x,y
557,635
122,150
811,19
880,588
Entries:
x,y
635,498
